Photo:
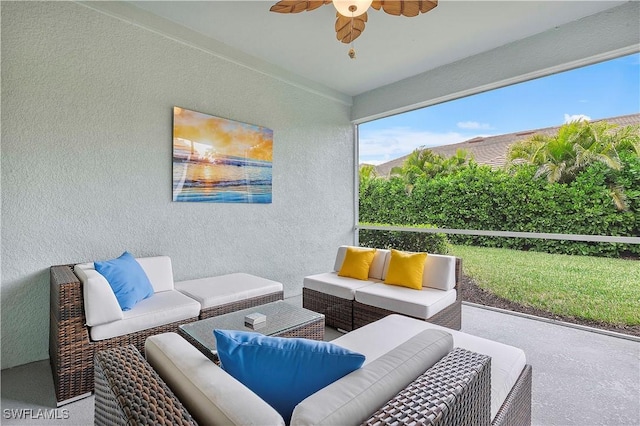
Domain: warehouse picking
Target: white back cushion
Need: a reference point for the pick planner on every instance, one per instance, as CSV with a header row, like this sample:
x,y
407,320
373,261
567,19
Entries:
x,y
377,266
439,272
356,396
100,304
342,251
210,394
159,272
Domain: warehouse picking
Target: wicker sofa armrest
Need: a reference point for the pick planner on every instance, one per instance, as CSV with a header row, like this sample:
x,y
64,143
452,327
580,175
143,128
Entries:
x,y
129,392
455,391
66,294
71,363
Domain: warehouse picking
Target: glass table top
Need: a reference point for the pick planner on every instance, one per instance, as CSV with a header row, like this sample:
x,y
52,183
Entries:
x,y
281,316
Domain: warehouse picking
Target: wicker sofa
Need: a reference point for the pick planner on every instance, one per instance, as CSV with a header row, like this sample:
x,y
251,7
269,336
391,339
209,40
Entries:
x,y
84,318
348,303
467,380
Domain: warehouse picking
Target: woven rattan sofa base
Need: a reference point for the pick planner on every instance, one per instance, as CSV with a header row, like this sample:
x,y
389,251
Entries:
x,y
71,351
455,391
450,317
409,406
516,409
127,398
338,312
241,304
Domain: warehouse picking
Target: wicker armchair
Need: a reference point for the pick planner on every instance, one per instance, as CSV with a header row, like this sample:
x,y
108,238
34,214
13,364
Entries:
x,y
455,391
71,350
120,374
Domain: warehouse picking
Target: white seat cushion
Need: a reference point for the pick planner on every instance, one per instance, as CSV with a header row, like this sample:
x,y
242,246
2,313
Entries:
x,y
334,285
416,303
507,361
162,308
217,291
210,394
100,303
377,268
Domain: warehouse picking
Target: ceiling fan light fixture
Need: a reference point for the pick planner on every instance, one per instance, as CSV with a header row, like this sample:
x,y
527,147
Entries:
x,y
352,8
352,15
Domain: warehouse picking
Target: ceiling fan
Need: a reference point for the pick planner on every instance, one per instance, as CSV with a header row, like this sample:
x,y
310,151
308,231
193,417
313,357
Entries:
x,y
351,15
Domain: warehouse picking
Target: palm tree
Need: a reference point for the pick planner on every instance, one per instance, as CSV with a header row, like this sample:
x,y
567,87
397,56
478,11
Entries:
x,y
562,156
367,173
423,162
629,139
460,159
577,145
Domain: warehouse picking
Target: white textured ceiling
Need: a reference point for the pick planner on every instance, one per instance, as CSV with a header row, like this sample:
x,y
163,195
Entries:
x,y
390,49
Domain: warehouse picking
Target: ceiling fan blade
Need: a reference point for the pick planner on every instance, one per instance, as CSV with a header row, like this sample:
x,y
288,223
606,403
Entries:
x,y
295,6
345,31
405,8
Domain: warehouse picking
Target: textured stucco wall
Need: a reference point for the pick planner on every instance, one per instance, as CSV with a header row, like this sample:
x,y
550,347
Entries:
x,y
86,162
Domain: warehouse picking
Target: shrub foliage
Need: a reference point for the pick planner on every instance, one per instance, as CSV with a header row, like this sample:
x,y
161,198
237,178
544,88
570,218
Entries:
x,y
517,199
409,241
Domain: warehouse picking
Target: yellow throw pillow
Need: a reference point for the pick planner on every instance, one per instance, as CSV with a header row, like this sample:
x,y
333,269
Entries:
x,y
357,262
406,269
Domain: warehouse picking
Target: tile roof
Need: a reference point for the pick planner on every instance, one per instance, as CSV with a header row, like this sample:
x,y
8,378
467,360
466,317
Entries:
x,y
492,150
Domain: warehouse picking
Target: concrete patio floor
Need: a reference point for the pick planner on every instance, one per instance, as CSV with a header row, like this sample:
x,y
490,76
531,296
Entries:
x,y
579,377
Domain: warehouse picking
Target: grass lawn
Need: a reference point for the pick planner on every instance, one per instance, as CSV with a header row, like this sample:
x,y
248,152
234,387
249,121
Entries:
x,y
593,288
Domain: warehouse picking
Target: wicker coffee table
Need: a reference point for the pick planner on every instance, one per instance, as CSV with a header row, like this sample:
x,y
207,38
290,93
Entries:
x,y
283,320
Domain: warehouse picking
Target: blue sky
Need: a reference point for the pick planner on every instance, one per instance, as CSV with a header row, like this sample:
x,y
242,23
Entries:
x,y
603,90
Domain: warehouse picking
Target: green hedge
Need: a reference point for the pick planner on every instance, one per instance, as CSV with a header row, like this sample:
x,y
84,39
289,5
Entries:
x,y
478,197
401,240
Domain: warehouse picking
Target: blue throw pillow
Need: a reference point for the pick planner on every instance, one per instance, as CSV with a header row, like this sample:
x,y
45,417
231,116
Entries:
x,y
283,371
127,279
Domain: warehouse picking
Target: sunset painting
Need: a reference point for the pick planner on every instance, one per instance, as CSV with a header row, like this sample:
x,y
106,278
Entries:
x,y
217,160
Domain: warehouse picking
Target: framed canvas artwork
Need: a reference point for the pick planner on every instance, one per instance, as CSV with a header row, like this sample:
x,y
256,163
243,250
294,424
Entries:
x,y
217,160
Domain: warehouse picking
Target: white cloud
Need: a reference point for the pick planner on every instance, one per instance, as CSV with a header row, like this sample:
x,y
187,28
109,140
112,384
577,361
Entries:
x,y
576,117
474,125
380,146
372,162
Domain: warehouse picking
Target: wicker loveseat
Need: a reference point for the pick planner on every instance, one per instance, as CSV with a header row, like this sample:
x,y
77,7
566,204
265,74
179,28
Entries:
x,y
460,386
75,334
349,303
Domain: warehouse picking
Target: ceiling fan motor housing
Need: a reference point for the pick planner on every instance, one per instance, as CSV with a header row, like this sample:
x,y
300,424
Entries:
x,y
351,8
